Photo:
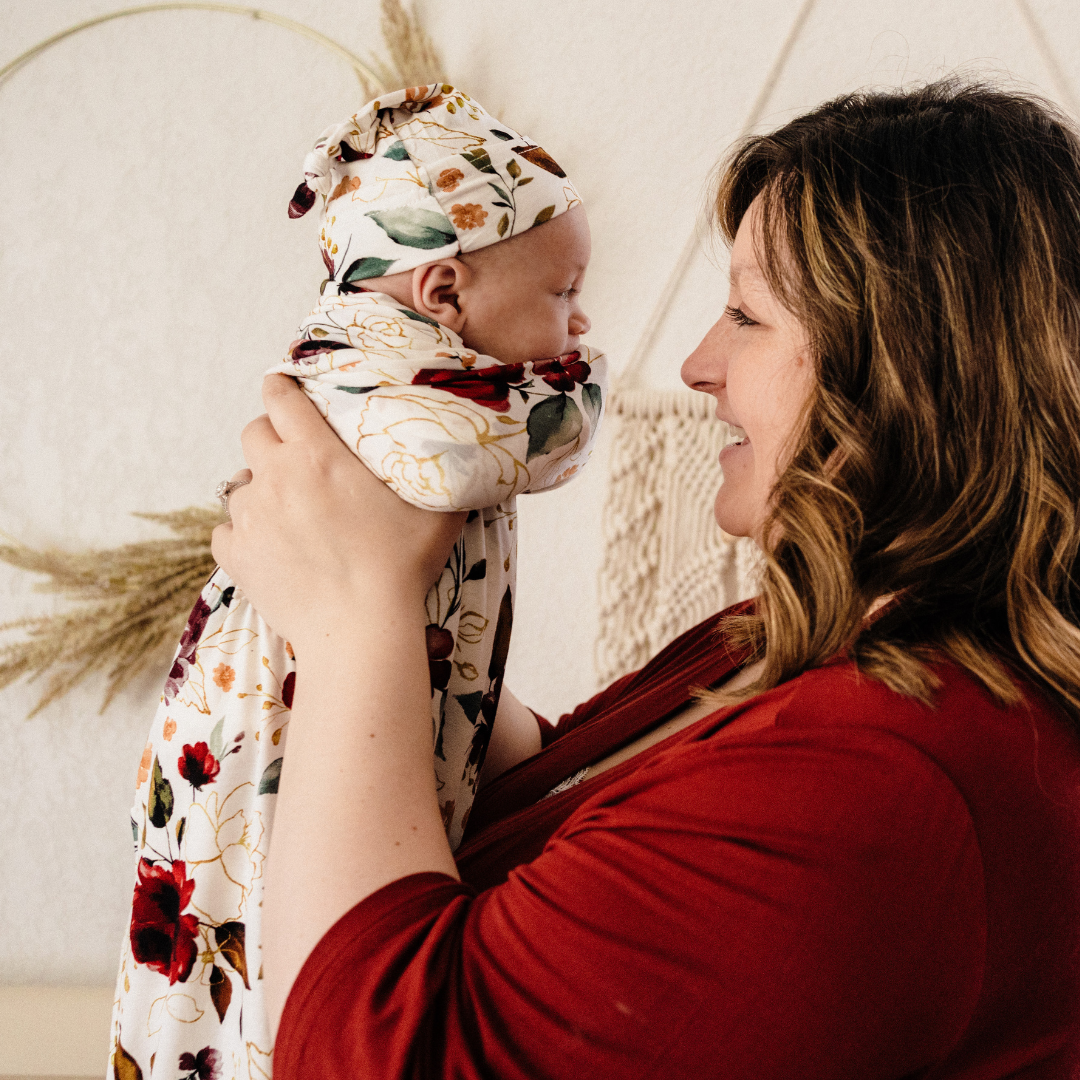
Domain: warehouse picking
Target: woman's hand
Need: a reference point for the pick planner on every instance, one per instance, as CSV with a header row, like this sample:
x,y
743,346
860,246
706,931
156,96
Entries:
x,y
316,540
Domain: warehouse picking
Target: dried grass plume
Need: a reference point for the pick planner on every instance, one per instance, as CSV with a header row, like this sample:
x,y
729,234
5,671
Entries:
x,y
132,602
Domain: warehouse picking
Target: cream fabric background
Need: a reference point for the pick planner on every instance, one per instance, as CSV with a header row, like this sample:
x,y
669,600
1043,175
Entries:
x,y
149,273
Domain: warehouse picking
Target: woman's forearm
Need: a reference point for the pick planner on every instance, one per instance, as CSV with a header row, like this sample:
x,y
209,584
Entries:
x,y
357,806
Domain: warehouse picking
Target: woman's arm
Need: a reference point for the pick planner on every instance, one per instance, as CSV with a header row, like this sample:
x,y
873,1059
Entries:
x,y
357,806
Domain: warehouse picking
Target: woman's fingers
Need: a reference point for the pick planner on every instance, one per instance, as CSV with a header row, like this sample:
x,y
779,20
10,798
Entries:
x,y
258,439
291,412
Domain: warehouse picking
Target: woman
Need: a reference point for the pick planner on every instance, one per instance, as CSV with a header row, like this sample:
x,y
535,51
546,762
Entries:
x,y
859,855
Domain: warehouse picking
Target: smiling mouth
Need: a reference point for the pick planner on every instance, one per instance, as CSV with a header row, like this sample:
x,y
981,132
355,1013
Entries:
x,y
736,437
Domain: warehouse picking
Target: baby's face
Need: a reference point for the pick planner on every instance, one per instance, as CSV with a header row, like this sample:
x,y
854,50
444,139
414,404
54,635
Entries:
x,y
522,302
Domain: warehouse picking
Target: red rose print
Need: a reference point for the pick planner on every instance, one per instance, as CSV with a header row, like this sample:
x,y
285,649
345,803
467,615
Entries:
x,y
489,386
197,765
563,372
161,937
288,688
204,1066
189,644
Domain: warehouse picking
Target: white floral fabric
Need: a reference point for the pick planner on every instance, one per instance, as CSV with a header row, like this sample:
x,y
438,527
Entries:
x,y
447,429
420,175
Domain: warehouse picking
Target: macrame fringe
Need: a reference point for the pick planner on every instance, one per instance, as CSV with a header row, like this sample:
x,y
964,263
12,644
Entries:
x,y
666,563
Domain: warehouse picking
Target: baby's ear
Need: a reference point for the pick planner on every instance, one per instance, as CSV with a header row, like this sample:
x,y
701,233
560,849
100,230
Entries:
x,y
436,287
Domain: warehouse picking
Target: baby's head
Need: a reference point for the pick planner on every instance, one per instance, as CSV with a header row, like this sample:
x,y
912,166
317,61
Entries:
x,y
429,199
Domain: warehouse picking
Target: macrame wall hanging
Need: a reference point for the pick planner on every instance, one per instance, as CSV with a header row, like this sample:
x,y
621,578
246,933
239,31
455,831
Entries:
x,y
666,564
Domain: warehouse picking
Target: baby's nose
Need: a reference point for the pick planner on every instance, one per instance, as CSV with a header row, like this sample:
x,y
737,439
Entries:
x,y
580,323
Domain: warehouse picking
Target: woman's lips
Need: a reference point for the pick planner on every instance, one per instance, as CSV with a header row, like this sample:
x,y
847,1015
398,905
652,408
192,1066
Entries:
x,y
737,440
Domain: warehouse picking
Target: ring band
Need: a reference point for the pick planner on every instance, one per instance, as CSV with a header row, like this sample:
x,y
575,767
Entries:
x,y
225,489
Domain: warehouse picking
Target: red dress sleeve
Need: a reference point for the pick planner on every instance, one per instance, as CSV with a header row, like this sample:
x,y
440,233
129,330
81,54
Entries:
x,y
788,904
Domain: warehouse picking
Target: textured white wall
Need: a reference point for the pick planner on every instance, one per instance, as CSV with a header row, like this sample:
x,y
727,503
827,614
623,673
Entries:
x,y
148,273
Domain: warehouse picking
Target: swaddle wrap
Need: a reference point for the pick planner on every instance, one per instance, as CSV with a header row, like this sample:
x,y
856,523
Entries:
x,y
420,175
447,429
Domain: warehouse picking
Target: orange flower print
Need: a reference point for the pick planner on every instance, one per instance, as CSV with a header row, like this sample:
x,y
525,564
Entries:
x,y
416,99
348,183
169,729
469,216
144,766
224,676
448,179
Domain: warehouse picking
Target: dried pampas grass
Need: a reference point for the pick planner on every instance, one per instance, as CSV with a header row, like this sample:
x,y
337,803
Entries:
x,y
133,601
413,58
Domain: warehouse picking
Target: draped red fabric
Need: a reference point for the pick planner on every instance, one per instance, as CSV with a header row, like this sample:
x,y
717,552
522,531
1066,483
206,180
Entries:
x,y
865,887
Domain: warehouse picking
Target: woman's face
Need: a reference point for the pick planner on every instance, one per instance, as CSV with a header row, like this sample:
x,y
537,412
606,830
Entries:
x,y
756,362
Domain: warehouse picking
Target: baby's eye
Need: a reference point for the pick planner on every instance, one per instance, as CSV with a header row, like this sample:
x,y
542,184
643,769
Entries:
x,y
567,293
739,316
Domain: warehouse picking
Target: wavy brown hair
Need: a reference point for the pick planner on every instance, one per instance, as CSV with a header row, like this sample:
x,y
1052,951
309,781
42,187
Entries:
x,y
929,241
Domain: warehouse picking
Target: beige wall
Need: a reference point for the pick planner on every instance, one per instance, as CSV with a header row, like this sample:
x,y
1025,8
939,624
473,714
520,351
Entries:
x,y
148,273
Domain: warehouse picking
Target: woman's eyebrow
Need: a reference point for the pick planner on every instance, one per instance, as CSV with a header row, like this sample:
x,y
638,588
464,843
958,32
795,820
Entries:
x,y
742,271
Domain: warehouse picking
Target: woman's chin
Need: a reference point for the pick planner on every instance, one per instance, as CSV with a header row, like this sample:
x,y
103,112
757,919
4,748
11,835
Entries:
x,y
732,514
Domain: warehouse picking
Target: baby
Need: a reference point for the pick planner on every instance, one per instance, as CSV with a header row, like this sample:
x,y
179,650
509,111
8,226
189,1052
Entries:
x,y
444,352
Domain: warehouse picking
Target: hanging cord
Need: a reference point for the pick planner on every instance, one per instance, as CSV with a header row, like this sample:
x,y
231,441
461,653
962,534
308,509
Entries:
x,y
372,76
631,375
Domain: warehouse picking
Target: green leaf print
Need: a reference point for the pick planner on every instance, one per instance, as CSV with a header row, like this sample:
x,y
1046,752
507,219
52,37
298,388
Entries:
x,y
501,135
271,777
555,422
356,389
415,227
479,160
417,317
592,397
217,747
504,223
367,267
181,825
470,704
397,152
160,806
545,215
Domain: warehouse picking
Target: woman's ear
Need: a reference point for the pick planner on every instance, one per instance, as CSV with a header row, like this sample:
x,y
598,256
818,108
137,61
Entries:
x,y
436,288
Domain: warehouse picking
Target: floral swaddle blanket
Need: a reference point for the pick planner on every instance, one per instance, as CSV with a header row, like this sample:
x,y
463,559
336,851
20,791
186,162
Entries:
x,y
447,429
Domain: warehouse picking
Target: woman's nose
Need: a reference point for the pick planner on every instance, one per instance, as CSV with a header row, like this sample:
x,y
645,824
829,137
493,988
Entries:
x,y
705,369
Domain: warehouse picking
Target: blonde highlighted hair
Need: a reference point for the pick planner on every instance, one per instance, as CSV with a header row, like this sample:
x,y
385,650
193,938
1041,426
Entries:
x,y
929,240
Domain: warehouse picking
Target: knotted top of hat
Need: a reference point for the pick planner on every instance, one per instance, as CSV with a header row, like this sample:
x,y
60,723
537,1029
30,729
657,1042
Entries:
x,y
422,174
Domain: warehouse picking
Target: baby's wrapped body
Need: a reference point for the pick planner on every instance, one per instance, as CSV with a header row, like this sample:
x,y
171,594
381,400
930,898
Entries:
x,y
448,430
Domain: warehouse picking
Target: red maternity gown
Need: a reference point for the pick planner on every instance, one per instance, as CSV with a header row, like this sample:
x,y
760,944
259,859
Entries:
x,y
863,887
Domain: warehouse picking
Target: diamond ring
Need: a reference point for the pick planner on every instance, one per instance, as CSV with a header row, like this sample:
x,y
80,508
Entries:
x,y
225,489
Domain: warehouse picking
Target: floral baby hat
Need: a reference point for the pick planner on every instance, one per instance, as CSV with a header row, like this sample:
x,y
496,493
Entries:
x,y
419,175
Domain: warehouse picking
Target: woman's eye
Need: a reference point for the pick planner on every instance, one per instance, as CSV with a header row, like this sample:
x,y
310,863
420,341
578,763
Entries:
x,y
739,316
